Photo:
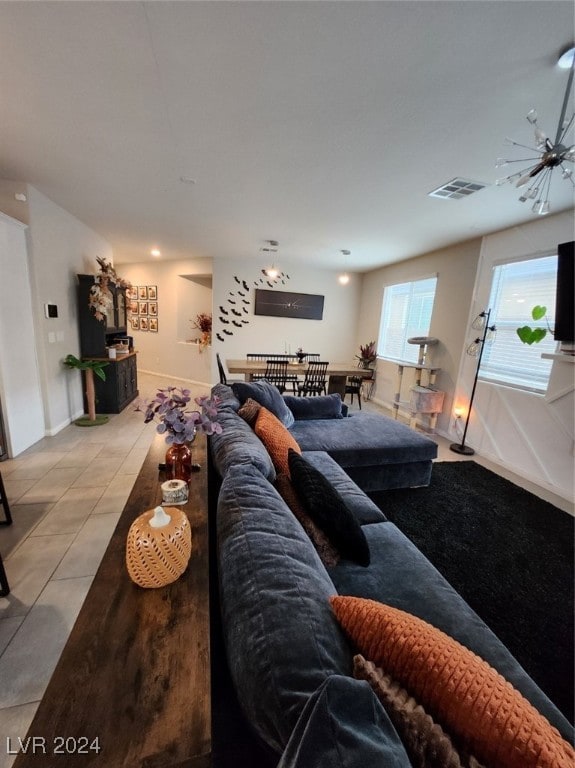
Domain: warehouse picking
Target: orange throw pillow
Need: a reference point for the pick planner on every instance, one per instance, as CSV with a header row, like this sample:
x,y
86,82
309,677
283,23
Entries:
x,y
276,439
458,688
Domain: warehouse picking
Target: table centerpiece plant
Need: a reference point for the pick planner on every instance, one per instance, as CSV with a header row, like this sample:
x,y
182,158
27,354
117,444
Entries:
x,y
179,424
367,354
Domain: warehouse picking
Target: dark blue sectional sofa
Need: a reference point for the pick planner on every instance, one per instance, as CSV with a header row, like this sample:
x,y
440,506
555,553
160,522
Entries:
x,y
289,661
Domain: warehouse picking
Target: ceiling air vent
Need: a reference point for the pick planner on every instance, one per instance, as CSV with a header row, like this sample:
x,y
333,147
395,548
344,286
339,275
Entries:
x,y
457,188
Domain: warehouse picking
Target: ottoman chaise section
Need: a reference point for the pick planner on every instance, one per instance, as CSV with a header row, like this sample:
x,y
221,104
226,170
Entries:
x,y
376,451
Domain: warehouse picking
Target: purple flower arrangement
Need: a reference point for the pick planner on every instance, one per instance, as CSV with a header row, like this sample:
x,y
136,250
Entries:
x,y
170,408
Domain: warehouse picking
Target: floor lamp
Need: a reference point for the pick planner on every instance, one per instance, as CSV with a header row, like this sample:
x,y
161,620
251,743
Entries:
x,y
475,349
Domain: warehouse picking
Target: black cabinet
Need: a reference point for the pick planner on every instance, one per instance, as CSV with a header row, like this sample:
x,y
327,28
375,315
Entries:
x,y
120,387
96,335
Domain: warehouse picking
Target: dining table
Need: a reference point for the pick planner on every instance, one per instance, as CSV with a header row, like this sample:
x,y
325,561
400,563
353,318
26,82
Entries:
x,y
337,372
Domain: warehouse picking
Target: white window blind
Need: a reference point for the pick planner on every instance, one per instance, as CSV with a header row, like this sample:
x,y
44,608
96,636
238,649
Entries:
x,y
516,288
406,312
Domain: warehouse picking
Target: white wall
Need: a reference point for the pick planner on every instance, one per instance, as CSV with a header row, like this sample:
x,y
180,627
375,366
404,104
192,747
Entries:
x,y
19,376
60,247
334,337
183,292
517,429
455,268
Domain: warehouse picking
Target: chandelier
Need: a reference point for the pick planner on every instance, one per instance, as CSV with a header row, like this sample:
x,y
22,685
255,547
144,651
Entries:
x,y
549,154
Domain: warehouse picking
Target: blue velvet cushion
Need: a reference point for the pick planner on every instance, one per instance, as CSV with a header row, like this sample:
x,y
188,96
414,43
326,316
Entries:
x,y
328,510
282,639
226,396
265,394
322,407
343,725
401,576
238,444
355,499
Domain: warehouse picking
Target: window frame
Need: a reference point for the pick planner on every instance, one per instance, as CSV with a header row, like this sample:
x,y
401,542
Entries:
x,y
504,377
412,355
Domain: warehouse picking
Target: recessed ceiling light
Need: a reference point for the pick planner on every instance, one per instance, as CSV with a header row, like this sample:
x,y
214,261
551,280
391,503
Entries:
x,y
155,252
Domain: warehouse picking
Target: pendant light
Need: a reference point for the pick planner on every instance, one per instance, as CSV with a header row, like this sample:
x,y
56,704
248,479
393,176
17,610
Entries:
x,y
343,278
272,271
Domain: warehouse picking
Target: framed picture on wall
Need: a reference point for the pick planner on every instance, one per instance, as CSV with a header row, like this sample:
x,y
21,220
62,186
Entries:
x,y
143,308
306,306
152,292
143,323
153,324
135,323
153,308
132,293
143,293
133,307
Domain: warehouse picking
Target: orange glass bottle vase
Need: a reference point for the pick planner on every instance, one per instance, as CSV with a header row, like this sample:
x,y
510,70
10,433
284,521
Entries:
x,y
179,462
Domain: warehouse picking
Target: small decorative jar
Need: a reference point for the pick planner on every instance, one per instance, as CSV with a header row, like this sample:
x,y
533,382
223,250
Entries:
x,y
174,492
158,547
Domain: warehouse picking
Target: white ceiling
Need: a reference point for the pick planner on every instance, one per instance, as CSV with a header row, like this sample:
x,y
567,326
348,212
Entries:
x,y
319,124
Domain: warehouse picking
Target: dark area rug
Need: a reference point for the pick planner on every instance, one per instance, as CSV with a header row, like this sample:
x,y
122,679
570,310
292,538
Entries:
x,y
508,553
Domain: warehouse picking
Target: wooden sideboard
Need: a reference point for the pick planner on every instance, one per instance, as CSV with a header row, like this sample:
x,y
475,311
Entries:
x,y
132,687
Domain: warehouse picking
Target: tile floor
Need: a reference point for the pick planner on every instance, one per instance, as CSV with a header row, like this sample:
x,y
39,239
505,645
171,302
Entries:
x,y
66,494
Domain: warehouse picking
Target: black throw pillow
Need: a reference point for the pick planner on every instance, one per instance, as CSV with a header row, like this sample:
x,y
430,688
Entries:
x,y
328,510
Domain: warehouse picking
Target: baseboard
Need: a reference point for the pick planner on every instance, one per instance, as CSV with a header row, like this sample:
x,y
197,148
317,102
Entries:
x,y
175,378
537,483
54,431
501,465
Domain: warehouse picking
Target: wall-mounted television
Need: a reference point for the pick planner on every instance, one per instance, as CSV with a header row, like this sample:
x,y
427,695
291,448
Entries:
x,y
564,298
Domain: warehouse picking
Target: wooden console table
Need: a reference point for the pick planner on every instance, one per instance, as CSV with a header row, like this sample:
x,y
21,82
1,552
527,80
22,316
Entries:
x,y
132,687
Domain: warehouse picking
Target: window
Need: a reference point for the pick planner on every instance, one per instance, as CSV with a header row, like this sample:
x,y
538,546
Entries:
x,y
406,312
517,287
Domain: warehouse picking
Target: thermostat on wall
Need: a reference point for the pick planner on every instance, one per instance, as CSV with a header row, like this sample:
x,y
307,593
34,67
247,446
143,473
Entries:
x,y
51,310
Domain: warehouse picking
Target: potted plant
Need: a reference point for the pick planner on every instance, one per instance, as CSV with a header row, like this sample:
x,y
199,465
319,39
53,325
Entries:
x,y
90,367
203,323
367,354
530,335
179,424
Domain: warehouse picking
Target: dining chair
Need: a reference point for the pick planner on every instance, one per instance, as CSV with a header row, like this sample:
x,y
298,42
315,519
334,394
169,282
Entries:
x,y
5,505
221,370
276,373
315,380
354,386
4,586
266,357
